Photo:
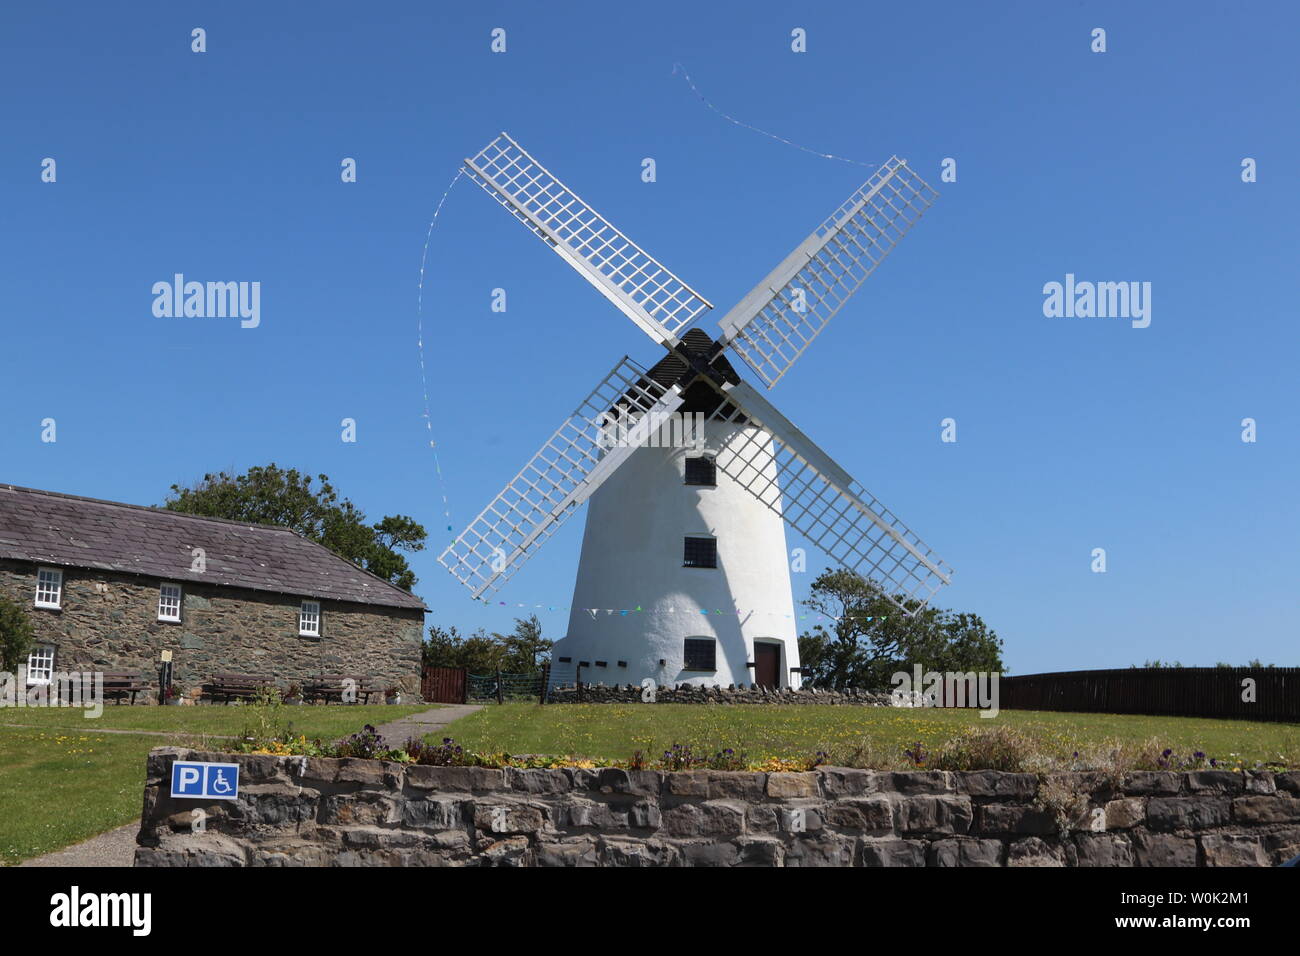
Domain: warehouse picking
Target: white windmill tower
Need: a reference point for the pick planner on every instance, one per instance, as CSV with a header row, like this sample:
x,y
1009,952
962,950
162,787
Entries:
x,y
684,573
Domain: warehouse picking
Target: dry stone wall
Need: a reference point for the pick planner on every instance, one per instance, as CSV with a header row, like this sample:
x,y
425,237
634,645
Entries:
x,y
299,811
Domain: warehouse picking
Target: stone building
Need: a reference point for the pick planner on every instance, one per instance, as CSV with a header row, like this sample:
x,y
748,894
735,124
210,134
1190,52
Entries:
x,y
110,586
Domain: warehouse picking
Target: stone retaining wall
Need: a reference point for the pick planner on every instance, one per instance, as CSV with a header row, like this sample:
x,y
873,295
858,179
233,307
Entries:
x,y
698,694
298,811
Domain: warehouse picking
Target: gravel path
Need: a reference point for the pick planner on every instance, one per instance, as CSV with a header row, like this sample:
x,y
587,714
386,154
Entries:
x,y
117,847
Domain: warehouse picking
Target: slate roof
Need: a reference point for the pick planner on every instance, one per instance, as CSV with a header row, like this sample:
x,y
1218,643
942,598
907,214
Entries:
x,y
65,530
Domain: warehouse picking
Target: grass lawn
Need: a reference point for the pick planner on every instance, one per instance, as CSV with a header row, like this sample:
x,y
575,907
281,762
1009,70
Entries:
x,y
219,719
614,732
57,789
63,781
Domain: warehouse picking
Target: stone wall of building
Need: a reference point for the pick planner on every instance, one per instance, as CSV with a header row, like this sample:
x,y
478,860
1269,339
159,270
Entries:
x,y
299,811
715,694
109,621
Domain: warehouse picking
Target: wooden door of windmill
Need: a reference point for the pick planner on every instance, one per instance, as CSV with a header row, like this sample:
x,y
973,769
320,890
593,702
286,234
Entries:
x,y
767,665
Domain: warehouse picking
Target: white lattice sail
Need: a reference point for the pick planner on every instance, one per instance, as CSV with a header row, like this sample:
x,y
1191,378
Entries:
x,y
644,289
823,502
563,474
772,326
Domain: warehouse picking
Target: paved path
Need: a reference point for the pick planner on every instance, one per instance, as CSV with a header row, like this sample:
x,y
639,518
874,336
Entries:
x,y
114,848
117,847
417,725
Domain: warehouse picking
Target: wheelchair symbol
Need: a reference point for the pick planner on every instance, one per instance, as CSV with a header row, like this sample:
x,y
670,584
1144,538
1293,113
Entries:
x,y
220,785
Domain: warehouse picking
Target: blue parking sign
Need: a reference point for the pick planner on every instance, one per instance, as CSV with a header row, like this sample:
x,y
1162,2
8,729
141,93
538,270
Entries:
x,y
205,781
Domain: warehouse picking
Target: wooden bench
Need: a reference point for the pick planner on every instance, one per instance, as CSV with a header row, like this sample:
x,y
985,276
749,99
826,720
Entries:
x,y
116,685
119,684
228,687
329,688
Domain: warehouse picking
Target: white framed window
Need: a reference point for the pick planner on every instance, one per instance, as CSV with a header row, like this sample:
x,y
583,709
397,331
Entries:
x,y
169,602
49,588
40,665
309,619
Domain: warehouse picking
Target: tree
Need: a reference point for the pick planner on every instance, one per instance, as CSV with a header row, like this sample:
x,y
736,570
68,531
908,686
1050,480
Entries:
x,y
871,639
271,495
526,649
520,652
479,653
16,635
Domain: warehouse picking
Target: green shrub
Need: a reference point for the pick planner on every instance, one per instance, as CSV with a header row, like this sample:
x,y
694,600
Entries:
x,y
16,635
265,723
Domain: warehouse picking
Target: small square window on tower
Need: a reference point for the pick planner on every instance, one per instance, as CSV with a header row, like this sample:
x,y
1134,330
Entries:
x,y
699,654
309,619
701,471
700,553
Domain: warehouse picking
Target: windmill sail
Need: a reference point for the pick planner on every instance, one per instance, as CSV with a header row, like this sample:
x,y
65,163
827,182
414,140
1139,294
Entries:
x,y
564,473
649,294
820,500
772,326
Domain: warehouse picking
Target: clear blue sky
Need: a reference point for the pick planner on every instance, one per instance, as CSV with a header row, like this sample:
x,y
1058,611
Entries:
x,y
1073,434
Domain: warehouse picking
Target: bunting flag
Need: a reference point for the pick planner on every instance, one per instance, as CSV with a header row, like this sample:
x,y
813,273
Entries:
x,y
678,68
419,342
595,612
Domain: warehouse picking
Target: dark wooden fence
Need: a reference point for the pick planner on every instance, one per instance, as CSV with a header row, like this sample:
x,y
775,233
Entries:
x,y
1173,691
443,685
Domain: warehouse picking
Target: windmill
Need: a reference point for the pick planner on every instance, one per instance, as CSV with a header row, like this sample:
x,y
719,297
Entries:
x,y
688,543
